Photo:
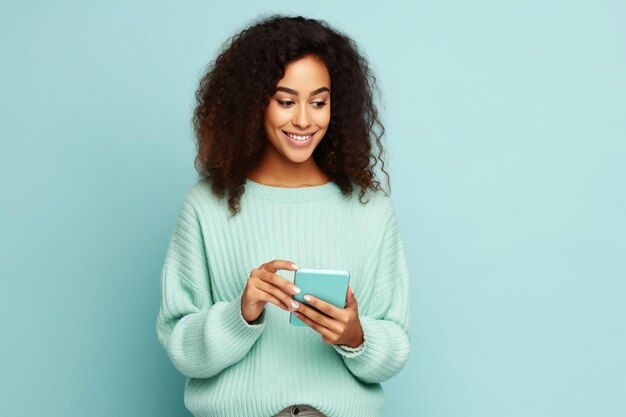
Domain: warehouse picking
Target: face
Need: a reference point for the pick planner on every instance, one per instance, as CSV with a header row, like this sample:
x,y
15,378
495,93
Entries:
x,y
300,107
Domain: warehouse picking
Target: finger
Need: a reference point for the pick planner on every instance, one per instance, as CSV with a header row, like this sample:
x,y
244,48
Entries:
x,y
277,264
325,307
320,318
267,297
276,280
350,299
326,333
286,300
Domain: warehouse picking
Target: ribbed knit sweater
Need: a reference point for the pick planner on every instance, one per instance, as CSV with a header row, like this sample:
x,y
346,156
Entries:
x,y
238,369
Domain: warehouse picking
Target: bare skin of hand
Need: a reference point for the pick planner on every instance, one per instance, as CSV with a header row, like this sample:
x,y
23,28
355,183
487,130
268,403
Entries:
x,y
264,286
337,326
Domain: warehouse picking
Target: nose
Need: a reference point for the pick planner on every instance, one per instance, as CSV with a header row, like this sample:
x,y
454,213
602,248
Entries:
x,y
301,117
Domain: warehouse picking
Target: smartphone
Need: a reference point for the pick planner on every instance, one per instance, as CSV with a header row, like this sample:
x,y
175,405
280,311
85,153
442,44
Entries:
x,y
326,284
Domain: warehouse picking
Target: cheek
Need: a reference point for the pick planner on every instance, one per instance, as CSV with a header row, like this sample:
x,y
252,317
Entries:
x,y
275,117
323,118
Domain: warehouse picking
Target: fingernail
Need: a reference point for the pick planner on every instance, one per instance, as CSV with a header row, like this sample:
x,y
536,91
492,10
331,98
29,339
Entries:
x,y
295,290
294,304
307,297
294,266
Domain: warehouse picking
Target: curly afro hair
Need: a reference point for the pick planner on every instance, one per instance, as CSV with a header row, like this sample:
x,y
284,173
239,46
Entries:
x,y
238,86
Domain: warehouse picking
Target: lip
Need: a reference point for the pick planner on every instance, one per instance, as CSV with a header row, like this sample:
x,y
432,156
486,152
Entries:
x,y
301,144
299,134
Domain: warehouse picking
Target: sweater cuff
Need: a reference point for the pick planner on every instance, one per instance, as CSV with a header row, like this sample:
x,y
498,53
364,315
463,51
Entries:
x,y
234,328
258,323
350,352
375,349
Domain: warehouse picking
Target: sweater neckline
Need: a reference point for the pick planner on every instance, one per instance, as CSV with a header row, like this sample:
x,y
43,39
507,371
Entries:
x,y
313,192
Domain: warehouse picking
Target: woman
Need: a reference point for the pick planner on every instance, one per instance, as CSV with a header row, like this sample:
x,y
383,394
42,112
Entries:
x,y
285,122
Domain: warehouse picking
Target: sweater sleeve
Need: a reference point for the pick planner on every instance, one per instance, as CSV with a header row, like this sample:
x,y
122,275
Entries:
x,y
201,337
387,326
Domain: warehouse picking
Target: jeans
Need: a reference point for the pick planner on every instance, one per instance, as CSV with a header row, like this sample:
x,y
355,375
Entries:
x,y
300,410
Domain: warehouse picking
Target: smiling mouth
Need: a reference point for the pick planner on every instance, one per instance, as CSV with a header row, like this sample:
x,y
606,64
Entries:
x,y
296,136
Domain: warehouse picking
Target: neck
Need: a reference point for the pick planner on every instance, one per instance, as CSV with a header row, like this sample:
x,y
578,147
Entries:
x,y
284,173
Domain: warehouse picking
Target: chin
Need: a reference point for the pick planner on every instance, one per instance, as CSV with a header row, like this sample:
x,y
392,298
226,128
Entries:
x,y
298,157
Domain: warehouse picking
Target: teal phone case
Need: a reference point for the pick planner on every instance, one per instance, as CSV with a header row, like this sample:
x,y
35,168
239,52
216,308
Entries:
x,y
325,284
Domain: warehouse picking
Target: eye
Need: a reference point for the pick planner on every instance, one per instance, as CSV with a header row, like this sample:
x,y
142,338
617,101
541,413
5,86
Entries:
x,y
285,103
320,104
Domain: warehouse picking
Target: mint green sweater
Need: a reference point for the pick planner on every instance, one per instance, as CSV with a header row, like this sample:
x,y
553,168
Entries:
x,y
255,370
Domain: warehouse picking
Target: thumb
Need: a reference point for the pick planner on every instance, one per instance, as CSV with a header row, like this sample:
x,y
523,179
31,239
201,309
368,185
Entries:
x,y
350,299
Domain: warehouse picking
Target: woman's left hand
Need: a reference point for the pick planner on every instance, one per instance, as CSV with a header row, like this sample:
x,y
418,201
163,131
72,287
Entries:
x,y
337,326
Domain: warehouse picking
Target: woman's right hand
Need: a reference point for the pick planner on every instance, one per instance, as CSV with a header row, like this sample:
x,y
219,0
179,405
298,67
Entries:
x,y
265,285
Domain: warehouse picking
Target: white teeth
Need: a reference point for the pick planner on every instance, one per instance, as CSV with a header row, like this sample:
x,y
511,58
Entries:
x,y
300,138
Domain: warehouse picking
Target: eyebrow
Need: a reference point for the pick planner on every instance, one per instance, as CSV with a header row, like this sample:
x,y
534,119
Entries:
x,y
295,93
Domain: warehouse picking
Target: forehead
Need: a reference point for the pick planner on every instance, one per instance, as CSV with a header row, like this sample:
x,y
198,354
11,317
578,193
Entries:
x,y
308,72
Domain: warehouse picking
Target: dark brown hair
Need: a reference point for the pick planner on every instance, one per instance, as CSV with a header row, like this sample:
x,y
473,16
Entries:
x,y
239,83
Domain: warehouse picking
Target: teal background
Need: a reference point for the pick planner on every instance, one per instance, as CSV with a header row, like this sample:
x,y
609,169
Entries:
x,y
505,126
